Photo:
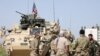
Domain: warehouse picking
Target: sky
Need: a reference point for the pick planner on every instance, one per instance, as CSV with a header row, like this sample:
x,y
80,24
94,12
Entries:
x,y
73,14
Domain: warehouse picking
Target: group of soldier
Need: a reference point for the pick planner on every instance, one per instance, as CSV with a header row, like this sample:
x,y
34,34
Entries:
x,y
61,43
58,42
86,46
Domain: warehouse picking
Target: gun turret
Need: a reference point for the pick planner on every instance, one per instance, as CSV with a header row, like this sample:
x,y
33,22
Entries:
x,y
20,13
23,15
24,21
29,20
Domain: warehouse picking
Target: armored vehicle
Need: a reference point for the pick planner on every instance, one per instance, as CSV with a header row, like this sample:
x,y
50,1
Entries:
x,y
17,41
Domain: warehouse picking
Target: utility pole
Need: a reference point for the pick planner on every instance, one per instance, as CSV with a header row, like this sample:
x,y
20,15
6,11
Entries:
x,y
70,23
27,6
54,10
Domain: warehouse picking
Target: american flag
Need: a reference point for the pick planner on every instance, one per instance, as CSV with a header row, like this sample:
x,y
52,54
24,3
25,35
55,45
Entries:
x,y
34,10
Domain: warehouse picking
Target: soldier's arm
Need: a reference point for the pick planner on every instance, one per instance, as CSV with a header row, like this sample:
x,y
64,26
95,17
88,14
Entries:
x,y
97,43
33,45
75,44
67,43
67,49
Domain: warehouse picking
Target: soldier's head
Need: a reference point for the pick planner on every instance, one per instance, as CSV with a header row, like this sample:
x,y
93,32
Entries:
x,y
90,37
61,34
82,32
37,35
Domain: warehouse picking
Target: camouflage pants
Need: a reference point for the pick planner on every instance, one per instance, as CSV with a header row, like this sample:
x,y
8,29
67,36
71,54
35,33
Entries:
x,y
82,53
61,53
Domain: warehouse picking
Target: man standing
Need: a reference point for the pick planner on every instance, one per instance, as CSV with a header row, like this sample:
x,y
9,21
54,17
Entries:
x,y
62,45
93,46
35,45
53,46
81,44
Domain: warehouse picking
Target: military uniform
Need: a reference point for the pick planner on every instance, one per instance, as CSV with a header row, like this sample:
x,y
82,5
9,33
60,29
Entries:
x,y
81,46
70,47
53,48
61,43
93,48
45,44
35,47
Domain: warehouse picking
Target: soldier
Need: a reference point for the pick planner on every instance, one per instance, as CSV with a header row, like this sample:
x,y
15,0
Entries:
x,y
55,28
53,46
93,46
45,42
2,32
35,45
70,39
81,44
62,45
69,35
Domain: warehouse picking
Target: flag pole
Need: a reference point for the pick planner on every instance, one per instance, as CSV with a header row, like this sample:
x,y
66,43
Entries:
x,y
54,10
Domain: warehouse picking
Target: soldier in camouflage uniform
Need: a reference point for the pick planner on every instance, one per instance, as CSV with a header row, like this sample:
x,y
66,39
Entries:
x,y
53,46
55,31
93,46
45,42
35,45
81,44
